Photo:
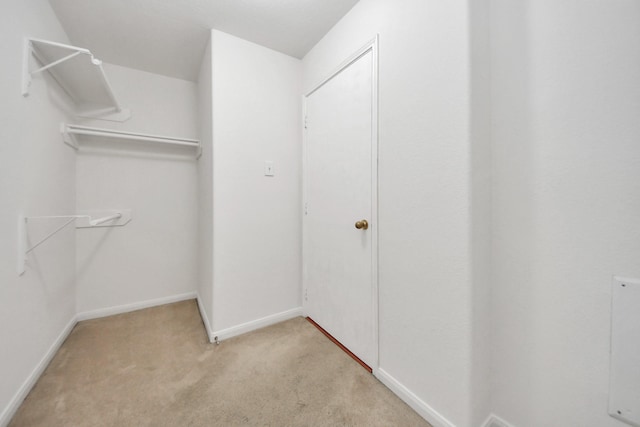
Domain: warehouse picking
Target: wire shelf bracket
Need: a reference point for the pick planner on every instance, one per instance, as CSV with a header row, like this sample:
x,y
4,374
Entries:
x,y
109,218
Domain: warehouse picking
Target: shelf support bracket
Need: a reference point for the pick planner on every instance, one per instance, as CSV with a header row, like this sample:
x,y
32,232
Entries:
x,y
26,60
50,235
54,63
23,251
112,218
69,138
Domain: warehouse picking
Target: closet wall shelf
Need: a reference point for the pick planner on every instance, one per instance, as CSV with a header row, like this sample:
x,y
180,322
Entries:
x,y
78,73
71,135
89,219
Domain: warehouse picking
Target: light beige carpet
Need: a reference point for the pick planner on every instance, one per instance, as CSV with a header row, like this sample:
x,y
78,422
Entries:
x,y
155,367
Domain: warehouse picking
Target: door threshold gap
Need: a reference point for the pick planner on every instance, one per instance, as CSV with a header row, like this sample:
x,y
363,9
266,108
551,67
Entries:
x,y
339,344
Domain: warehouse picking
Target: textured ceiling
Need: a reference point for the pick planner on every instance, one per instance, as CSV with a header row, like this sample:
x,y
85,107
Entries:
x,y
168,36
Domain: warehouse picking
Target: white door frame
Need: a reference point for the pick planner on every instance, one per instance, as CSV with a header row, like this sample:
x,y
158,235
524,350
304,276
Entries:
x,y
370,46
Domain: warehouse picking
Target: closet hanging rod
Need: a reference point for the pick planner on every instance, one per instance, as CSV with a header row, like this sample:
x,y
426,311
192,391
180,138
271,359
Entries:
x,y
71,132
135,137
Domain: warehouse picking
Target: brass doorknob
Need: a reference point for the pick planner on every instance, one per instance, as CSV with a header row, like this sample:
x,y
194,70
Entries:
x,y
362,224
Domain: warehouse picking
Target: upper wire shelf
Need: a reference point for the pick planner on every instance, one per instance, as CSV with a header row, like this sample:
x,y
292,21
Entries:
x,y
78,73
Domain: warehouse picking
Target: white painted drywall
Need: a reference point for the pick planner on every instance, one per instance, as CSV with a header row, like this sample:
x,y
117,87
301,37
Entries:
x,y
566,211
256,219
37,177
168,37
155,255
481,208
427,311
205,188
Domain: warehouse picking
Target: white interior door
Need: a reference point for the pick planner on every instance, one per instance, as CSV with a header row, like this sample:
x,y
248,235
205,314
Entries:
x,y
340,176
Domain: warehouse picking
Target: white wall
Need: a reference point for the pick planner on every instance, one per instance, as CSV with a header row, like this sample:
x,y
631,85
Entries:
x,y
426,291
155,255
205,188
481,208
37,173
566,217
256,219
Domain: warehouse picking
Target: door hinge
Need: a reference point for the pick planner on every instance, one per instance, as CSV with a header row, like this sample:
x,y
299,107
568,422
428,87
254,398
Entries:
x,y
306,122
306,294
306,208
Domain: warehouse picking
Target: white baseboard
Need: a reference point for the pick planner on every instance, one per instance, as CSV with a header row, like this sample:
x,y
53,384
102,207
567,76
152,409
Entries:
x,y
243,328
418,405
31,380
205,318
110,311
495,421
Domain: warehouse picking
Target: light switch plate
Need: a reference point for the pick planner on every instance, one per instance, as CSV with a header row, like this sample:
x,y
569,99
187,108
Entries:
x,y
268,168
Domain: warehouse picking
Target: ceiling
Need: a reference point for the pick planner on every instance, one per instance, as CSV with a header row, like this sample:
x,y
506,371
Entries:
x,y
169,36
